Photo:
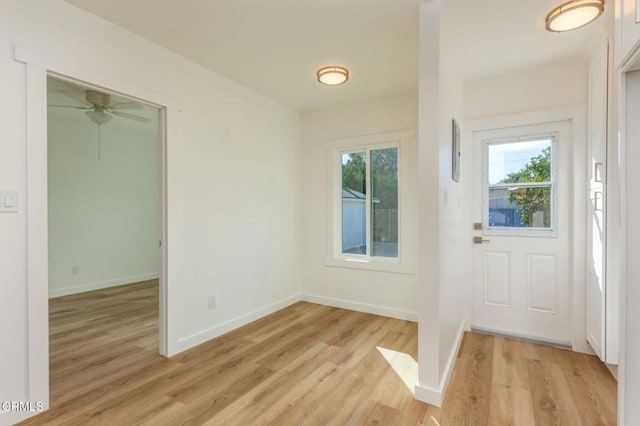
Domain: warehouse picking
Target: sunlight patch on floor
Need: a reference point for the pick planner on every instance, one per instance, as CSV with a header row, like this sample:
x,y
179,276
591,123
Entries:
x,y
403,364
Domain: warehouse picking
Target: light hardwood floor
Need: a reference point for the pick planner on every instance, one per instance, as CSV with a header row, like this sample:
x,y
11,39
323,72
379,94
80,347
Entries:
x,y
307,364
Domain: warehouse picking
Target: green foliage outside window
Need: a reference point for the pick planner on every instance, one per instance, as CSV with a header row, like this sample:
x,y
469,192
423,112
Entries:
x,y
531,200
354,173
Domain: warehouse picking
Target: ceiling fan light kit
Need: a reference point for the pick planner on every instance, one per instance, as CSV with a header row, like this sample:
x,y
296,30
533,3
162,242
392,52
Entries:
x,y
99,117
573,14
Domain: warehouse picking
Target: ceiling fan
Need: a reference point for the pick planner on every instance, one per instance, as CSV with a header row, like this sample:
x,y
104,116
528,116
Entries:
x,y
98,106
100,110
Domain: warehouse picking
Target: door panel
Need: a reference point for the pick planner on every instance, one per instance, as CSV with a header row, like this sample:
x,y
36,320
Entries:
x,y
542,290
496,279
521,272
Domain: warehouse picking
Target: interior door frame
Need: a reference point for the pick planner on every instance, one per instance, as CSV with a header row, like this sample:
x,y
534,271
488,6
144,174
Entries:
x,y
577,116
162,279
38,66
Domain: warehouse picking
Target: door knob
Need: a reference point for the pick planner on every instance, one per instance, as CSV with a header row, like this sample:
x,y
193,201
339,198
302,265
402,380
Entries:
x,y
479,240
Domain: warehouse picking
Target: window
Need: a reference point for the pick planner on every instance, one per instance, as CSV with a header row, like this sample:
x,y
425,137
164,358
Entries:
x,y
520,186
366,202
370,222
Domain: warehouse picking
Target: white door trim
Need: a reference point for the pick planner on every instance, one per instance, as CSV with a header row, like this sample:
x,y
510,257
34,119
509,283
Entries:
x,y
577,116
38,66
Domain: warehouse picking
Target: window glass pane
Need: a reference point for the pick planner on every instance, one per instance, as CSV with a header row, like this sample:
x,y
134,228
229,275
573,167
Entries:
x,y
384,202
354,212
525,161
520,207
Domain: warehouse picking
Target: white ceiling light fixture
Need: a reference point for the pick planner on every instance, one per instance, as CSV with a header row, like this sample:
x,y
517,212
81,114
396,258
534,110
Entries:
x,y
573,14
98,116
333,75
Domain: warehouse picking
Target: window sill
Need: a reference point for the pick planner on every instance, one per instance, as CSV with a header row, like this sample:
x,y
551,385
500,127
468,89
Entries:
x,y
392,266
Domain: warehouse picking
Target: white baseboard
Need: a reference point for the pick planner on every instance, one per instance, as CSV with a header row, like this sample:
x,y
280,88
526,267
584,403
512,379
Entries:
x,y
195,339
436,396
582,346
65,291
361,307
15,417
613,369
428,394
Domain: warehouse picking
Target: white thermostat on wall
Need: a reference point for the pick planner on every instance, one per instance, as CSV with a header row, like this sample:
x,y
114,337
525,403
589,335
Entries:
x,y
8,201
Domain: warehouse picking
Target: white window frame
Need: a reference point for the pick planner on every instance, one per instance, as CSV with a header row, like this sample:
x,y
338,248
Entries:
x,y
522,231
335,149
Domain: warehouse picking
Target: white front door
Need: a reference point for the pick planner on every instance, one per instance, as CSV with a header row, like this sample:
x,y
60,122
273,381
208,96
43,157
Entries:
x,y
522,192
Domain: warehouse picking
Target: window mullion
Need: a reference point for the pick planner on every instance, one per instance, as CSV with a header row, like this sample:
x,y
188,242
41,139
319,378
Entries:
x,y
368,200
337,176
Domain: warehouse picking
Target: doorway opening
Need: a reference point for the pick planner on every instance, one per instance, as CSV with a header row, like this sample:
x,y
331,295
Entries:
x,y
105,204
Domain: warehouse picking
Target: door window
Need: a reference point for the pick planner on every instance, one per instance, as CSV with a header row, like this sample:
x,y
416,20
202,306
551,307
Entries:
x,y
520,186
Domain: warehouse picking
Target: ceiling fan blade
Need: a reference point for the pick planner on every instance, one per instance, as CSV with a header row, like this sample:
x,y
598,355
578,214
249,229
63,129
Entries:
x,y
76,97
125,105
130,116
69,106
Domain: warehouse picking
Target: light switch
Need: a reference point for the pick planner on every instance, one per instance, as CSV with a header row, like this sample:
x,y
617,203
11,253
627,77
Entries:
x,y
8,201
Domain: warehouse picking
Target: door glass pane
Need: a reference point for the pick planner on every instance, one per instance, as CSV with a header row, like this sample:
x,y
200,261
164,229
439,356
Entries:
x,y
384,202
520,207
522,161
354,212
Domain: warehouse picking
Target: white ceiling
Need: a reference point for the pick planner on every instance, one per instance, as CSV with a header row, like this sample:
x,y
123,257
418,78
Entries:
x,y
498,36
275,46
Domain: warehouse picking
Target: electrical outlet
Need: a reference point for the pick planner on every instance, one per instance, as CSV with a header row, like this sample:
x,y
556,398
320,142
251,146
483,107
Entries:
x,y
75,270
212,302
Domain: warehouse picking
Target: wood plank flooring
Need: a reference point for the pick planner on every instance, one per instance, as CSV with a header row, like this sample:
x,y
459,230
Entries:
x,y
307,364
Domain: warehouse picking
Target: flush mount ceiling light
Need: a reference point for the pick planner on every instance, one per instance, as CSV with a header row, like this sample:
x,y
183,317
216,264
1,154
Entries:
x,y
332,76
573,14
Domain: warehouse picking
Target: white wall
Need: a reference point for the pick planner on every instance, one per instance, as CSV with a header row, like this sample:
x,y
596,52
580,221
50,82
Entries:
x,y
629,385
455,220
233,182
445,250
104,214
428,386
558,84
385,293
